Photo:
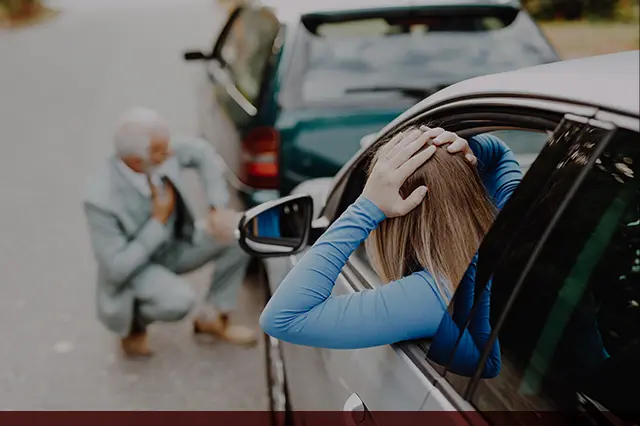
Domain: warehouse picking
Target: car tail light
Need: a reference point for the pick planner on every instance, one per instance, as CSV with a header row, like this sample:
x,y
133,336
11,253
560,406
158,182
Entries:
x,y
260,158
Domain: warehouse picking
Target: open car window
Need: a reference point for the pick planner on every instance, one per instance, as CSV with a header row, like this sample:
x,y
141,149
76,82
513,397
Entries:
x,y
525,144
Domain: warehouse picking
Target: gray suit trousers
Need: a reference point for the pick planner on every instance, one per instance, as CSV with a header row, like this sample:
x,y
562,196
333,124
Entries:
x,y
161,294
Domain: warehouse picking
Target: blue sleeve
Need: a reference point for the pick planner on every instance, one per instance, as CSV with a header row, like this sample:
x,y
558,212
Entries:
x,y
500,174
302,310
497,166
474,338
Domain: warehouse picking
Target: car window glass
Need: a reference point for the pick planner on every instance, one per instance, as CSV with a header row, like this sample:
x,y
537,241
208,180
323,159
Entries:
x,y
526,145
571,339
247,49
430,50
537,195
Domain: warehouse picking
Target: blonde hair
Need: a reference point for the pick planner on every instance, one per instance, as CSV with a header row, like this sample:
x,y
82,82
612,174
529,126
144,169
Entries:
x,y
443,233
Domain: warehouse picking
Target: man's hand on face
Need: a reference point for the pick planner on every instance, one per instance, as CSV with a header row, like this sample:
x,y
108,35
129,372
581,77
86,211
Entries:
x,y
164,204
223,223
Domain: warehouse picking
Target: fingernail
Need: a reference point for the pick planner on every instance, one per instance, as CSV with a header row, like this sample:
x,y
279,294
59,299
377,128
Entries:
x,y
449,148
423,190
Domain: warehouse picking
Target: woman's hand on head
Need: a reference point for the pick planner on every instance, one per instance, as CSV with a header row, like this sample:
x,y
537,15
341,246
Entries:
x,y
396,162
455,143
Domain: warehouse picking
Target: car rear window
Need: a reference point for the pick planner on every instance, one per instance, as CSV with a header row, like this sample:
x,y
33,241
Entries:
x,y
348,55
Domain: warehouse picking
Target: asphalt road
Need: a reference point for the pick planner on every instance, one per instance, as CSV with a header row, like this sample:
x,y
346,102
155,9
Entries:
x,y
62,87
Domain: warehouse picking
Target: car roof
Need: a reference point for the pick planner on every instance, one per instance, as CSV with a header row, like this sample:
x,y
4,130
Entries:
x,y
292,10
610,82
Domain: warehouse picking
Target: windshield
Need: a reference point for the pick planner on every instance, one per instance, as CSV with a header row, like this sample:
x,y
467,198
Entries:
x,y
359,57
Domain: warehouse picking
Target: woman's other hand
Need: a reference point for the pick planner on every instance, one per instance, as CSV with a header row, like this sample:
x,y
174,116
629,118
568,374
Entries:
x,y
456,143
396,162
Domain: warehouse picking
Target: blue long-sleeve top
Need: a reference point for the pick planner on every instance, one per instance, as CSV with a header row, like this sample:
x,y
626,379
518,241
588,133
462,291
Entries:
x,y
302,311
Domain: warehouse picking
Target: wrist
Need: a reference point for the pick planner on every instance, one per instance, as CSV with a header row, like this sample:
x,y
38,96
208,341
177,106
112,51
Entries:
x,y
161,218
371,208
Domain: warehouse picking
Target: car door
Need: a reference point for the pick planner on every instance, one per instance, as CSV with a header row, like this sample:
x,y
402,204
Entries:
x,y
237,73
333,380
565,288
383,378
396,377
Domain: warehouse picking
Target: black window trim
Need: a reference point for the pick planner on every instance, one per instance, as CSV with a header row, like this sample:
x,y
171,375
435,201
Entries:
x,y
217,45
610,128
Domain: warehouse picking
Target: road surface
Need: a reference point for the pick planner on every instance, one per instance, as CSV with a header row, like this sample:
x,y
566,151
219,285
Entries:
x,y
63,86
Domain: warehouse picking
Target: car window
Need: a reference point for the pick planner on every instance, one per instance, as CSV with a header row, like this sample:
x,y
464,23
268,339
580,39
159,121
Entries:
x,y
247,49
525,144
525,217
430,50
571,337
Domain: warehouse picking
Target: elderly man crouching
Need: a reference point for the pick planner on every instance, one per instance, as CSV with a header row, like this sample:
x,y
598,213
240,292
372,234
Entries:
x,y
144,236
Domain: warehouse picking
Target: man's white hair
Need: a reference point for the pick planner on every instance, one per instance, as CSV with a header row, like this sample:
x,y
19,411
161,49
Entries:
x,y
137,127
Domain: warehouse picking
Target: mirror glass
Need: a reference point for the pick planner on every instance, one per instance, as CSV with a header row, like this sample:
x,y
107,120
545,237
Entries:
x,y
279,229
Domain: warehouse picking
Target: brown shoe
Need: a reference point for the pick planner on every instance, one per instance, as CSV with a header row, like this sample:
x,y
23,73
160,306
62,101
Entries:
x,y
220,327
136,345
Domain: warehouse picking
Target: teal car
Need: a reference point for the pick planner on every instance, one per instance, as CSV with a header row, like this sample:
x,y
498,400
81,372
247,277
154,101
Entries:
x,y
293,89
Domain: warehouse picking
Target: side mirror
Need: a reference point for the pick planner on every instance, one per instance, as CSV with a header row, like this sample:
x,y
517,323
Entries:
x,y
195,56
277,228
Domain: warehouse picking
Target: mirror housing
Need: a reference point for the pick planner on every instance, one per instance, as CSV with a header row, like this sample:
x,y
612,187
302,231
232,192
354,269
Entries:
x,y
195,55
277,228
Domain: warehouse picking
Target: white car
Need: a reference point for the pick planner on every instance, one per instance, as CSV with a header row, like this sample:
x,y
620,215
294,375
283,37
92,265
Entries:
x,y
564,256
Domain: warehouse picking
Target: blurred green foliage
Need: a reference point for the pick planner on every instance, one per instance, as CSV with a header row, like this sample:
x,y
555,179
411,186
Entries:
x,y
19,6
582,9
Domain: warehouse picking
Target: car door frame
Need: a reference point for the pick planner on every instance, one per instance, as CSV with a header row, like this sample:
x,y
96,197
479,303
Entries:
x,y
480,108
219,73
222,94
609,122
442,110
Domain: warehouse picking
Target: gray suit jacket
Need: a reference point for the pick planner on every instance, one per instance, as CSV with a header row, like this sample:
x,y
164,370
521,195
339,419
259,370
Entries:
x,y
124,237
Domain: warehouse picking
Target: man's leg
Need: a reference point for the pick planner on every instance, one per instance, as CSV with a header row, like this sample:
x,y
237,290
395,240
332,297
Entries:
x,y
230,267
160,295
